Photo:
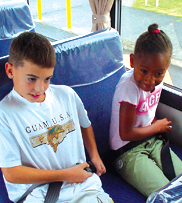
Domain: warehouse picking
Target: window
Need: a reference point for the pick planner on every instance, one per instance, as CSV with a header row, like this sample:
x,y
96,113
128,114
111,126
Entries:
x,y
54,19
139,14
132,17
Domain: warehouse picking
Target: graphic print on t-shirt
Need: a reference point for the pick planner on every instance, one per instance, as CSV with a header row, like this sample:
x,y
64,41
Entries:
x,y
150,101
54,136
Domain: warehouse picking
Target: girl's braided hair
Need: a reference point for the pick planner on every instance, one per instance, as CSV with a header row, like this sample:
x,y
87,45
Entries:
x,y
153,40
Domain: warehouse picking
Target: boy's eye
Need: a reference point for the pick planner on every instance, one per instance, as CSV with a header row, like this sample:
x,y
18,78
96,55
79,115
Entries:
x,y
31,79
47,79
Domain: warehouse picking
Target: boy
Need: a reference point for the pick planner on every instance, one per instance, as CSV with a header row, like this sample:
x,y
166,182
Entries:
x,y
43,128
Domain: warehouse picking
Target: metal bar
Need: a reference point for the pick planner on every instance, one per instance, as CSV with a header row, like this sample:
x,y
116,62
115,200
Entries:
x,y
39,7
116,15
68,12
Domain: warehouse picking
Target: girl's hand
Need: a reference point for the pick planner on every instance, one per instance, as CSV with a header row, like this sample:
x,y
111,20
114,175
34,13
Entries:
x,y
163,125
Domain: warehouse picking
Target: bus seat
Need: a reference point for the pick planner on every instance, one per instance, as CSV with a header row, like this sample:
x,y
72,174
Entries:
x,y
15,18
92,65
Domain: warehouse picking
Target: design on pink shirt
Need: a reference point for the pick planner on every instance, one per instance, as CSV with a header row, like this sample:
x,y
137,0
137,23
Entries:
x,y
145,105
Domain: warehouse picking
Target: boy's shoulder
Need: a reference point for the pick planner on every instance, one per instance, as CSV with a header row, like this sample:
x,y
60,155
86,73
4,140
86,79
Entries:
x,y
60,89
58,92
12,99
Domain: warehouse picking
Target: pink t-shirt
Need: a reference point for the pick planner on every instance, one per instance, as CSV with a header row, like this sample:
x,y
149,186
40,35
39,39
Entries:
x,y
145,102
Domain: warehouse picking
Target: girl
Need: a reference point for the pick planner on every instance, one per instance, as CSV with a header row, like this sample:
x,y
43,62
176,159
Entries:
x,y
134,131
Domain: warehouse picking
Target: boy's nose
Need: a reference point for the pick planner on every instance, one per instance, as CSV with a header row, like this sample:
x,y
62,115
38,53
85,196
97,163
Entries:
x,y
39,87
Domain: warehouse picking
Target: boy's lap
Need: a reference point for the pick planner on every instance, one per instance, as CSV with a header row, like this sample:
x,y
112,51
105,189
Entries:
x,y
89,196
89,189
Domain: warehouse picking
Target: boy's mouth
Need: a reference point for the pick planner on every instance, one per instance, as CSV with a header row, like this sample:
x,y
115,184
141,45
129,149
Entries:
x,y
35,96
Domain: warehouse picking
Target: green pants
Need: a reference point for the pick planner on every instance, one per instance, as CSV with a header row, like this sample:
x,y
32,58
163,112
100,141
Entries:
x,y
142,166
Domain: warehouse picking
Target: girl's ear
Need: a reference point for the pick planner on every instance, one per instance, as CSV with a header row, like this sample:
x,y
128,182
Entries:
x,y
9,70
132,60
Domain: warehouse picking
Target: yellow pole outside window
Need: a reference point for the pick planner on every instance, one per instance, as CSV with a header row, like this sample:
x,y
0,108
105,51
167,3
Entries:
x,y
39,7
68,12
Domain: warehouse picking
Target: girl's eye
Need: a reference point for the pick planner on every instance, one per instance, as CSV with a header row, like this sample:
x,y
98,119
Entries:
x,y
144,71
159,74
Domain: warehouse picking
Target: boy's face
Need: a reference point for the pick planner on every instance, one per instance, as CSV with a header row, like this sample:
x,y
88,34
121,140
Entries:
x,y
149,69
30,81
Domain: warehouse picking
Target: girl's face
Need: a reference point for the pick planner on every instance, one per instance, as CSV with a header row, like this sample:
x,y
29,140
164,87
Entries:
x,y
149,69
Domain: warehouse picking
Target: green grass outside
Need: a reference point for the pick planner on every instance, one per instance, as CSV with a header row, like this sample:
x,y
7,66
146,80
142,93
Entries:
x,y
168,7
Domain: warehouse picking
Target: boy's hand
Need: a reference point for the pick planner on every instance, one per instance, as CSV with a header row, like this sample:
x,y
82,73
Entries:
x,y
77,174
163,125
99,166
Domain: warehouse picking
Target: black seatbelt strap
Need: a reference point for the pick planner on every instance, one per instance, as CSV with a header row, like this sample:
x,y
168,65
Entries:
x,y
167,164
127,147
53,192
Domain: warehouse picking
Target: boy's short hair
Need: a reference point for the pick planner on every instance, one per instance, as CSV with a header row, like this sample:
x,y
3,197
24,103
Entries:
x,y
33,47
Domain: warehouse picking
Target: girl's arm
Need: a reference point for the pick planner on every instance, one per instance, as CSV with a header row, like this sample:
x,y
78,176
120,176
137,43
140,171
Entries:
x,y
27,175
90,144
127,130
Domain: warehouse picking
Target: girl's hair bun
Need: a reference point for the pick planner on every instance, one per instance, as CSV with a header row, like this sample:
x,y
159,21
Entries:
x,y
152,28
153,40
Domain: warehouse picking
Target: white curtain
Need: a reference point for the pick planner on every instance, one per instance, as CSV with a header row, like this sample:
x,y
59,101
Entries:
x,y
101,14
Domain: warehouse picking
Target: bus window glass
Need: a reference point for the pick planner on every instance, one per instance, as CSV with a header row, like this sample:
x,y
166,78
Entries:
x,y
54,18
137,15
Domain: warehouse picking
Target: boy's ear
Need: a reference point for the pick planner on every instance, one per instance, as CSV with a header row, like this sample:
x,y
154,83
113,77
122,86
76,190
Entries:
x,y
9,69
132,60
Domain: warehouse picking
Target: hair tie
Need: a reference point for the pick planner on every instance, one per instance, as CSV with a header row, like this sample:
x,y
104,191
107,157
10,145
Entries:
x,y
156,30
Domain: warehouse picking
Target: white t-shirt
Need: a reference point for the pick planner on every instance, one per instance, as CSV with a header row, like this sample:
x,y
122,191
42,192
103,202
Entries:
x,y
145,102
44,135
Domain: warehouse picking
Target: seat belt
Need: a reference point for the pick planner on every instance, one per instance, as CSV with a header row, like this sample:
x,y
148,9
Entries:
x,y
54,188
166,160
30,189
52,194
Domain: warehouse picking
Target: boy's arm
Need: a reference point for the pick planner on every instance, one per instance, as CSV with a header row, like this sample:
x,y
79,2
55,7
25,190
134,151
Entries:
x,y
127,130
27,175
90,144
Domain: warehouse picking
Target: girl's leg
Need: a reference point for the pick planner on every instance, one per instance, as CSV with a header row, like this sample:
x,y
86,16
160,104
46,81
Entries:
x,y
155,155
177,163
141,171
